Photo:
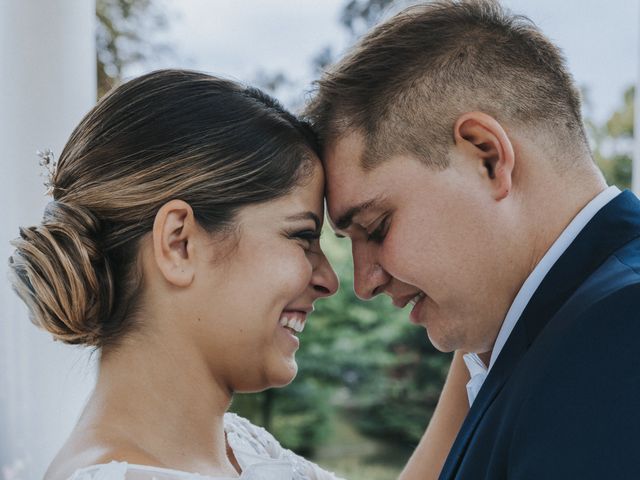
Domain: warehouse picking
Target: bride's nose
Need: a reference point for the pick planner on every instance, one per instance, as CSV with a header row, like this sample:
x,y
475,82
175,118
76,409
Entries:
x,y
323,279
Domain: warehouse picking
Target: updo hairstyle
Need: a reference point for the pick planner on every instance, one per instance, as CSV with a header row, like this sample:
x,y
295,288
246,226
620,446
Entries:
x,y
170,134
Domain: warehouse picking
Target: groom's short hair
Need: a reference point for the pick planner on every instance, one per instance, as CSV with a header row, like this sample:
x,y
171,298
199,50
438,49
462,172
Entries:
x,y
405,83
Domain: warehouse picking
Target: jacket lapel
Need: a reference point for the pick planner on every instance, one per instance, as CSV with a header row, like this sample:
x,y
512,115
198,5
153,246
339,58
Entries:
x,y
616,224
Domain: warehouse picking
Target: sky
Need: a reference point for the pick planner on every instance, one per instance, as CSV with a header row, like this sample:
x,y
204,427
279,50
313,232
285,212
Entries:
x,y
240,39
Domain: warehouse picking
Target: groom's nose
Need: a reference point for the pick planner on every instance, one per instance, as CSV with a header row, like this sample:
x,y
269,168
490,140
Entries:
x,y
369,278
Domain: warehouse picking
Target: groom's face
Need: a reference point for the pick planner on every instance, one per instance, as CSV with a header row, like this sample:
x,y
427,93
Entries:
x,y
423,236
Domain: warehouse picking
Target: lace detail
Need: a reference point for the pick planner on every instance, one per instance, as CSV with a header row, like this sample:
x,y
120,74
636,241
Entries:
x,y
251,443
259,454
126,471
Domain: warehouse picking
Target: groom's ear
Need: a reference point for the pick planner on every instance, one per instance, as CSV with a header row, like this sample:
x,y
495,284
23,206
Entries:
x,y
483,139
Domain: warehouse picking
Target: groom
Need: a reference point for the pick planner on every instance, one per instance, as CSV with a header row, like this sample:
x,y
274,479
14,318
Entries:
x,y
458,165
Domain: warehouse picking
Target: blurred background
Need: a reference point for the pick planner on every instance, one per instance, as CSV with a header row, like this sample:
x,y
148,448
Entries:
x,y
368,380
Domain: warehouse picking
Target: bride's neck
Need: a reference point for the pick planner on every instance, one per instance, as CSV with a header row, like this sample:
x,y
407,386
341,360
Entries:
x,y
162,396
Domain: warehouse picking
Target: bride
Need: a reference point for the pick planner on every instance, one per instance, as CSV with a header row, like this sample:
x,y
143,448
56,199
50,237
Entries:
x,y
183,242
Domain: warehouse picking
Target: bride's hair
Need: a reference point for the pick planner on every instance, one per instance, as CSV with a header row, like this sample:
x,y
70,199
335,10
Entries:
x,y
171,134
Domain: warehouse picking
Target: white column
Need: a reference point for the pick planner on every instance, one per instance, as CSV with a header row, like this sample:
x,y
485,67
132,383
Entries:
x,y
635,170
47,83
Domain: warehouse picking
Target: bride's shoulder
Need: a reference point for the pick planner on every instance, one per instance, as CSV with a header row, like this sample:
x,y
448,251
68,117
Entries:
x,y
88,460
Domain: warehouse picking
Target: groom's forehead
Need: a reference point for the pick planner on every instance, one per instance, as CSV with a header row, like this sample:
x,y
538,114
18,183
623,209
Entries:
x,y
349,188
344,155
345,179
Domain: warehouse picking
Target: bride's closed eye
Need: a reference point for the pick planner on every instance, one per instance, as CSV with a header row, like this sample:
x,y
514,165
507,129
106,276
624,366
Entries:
x,y
307,238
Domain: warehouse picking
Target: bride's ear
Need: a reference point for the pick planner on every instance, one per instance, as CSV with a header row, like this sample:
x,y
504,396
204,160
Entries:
x,y
174,229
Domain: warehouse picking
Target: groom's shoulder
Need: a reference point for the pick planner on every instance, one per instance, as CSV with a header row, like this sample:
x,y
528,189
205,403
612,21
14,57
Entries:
x,y
589,346
580,384
596,324
619,307
588,351
612,286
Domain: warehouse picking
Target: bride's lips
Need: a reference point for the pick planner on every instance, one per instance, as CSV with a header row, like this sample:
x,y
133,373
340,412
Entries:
x,y
292,322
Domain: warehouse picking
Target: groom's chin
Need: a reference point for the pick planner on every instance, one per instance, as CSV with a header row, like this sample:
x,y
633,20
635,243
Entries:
x,y
441,342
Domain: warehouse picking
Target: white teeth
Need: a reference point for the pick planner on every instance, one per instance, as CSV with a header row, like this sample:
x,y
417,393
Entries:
x,y
292,322
417,298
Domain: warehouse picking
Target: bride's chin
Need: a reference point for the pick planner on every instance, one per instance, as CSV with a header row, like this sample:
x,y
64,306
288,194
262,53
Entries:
x,y
285,375
277,377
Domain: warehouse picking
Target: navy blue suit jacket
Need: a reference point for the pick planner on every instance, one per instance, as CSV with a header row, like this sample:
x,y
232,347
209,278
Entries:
x,y
562,400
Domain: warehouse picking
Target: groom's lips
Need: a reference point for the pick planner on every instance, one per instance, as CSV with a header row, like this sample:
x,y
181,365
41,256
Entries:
x,y
414,316
402,302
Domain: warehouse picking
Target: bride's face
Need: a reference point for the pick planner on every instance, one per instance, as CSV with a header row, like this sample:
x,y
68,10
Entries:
x,y
259,296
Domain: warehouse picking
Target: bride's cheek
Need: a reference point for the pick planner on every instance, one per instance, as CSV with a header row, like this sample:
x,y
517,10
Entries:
x,y
299,270
305,272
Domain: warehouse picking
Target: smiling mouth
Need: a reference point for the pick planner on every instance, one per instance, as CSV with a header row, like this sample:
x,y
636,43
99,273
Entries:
x,y
417,298
293,321
403,302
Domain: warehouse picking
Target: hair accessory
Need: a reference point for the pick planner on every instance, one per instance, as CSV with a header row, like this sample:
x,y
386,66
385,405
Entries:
x,y
47,160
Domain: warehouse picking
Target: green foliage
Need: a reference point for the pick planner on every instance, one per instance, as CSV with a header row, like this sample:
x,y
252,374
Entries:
x,y
620,125
612,143
398,402
616,169
356,456
298,416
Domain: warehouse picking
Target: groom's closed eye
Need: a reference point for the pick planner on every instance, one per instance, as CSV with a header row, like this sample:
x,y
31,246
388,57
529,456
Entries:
x,y
379,231
345,221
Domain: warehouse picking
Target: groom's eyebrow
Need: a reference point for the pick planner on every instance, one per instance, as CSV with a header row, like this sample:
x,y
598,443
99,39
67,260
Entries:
x,y
345,220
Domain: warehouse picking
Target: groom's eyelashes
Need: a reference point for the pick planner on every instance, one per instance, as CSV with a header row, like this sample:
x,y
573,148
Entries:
x,y
380,227
377,235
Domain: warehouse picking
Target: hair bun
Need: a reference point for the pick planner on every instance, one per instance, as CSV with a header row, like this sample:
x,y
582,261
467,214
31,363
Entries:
x,y
62,276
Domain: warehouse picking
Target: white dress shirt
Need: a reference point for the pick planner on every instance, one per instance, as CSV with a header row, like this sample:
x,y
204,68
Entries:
x,y
477,369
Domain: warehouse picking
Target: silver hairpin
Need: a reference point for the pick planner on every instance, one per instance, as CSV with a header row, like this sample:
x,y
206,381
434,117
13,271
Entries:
x,y
48,161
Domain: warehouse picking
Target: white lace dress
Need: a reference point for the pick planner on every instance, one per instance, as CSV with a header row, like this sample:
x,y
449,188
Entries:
x,y
260,456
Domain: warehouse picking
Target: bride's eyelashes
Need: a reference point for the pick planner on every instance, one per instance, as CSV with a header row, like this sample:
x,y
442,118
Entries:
x,y
306,237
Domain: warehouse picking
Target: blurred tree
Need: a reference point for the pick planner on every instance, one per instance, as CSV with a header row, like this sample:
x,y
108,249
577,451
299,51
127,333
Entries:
x,y
358,16
125,35
620,125
612,143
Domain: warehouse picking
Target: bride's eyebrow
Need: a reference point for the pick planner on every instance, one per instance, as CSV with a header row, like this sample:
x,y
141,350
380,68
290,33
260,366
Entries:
x,y
308,215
